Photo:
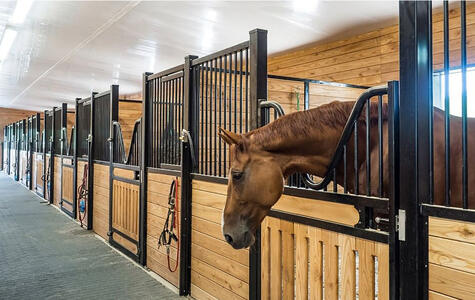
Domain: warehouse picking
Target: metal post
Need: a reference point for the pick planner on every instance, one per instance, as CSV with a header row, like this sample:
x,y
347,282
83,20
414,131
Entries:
x,y
414,137
189,122
144,162
258,91
90,166
75,160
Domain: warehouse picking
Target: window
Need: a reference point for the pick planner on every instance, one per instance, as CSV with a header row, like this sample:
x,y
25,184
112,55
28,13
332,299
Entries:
x,y
455,91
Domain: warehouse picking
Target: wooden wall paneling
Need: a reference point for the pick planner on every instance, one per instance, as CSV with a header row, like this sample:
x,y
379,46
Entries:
x,y
100,212
129,112
217,269
57,181
451,258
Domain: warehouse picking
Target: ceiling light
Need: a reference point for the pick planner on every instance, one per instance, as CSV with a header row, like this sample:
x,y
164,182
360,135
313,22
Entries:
x,y
21,10
7,41
305,6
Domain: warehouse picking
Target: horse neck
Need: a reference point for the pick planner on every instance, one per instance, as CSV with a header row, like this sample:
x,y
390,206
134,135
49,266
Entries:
x,y
300,146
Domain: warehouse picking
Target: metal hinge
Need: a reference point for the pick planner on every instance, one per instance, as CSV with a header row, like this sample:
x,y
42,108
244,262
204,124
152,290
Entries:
x,y
401,224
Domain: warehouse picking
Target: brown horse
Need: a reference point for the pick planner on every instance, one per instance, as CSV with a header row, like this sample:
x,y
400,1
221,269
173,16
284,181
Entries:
x,y
305,142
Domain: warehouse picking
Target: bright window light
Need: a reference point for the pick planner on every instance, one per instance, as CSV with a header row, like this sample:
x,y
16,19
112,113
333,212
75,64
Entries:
x,y
7,41
21,10
455,91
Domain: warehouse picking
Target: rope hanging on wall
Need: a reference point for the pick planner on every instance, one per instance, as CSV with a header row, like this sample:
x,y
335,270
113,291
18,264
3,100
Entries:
x,y
171,223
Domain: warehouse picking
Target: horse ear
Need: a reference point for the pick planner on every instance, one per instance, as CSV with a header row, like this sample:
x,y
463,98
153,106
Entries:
x,y
229,137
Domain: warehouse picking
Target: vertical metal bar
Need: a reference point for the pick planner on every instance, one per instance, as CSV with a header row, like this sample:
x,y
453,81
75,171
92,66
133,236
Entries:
x,y
206,148
215,121
368,147
258,90
335,188
147,118
447,101
220,161
240,91
345,186
414,136
393,167
188,124
225,113
247,89
356,166
463,41
306,89
380,145
202,120
90,163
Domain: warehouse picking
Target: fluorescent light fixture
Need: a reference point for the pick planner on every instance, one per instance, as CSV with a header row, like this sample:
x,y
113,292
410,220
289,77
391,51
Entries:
x,y
8,38
21,10
305,6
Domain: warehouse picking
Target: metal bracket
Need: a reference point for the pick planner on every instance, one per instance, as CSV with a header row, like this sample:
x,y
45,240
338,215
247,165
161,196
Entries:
x,y
89,138
401,224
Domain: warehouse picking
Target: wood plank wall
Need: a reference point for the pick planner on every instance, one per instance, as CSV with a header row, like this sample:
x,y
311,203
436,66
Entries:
x,y
100,213
39,171
304,262
451,259
129,112
157,209
371,58
33,172
67,186
23,165
217,270
57,181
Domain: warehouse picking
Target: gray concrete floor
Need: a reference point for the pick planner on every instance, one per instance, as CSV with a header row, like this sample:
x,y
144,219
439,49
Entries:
x,y
45,255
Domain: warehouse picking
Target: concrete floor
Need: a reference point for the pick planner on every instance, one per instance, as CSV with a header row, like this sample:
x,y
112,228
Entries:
x,y
45,255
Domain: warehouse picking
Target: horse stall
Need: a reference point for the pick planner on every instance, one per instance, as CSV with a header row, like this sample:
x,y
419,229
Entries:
x,y
163,123
23,153
48,155
81,160
39,155
64,178
13,151
35,121
6,149
114,184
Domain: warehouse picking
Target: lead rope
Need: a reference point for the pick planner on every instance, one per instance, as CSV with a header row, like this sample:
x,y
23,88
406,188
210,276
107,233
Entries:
x,y
171,224
47,178
82,194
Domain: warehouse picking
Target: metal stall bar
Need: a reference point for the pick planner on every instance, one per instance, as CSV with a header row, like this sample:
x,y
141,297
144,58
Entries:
x,y
414,132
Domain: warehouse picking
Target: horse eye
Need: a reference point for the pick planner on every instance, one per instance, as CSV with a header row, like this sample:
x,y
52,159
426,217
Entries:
x,y
236,175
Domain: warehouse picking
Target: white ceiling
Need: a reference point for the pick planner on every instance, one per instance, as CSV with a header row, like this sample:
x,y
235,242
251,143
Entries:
x,y
67,49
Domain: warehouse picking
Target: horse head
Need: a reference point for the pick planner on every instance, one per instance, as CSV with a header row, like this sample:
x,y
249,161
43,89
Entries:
x,y
254,186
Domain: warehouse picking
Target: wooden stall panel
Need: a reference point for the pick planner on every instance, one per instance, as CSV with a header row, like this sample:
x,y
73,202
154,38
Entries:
x,y
23,166
57,181
218,271
304,262
157,209
67,187
100,213
125,212
39,172
80,180
33,171
290,94
451,259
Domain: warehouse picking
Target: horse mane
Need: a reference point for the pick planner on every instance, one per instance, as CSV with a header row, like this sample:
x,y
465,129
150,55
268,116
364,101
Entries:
x,y
333,115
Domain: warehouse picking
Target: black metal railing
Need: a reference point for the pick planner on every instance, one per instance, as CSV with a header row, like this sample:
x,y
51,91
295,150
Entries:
x,y
133,155
221,87
166,121
102,124
83,125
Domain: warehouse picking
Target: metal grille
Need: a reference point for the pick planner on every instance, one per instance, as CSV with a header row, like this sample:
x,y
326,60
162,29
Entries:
x,y
58,115
166,93
221,87
83,127
48,131
101,127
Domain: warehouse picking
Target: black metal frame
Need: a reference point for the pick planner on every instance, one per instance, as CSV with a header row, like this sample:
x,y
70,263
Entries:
x,y
65,156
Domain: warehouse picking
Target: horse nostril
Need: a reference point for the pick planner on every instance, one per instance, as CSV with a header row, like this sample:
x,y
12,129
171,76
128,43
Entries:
x,y
228,238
